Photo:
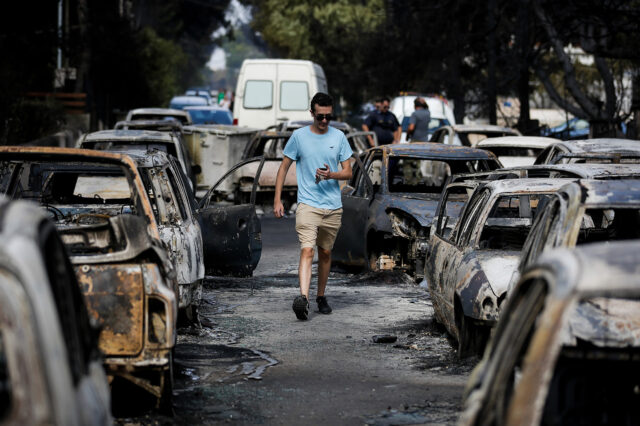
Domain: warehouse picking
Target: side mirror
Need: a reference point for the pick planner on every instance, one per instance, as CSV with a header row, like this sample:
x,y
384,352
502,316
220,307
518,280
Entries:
x,y
196,169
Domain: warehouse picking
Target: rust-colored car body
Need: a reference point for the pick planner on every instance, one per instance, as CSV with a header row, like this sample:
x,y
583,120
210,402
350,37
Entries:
x,y
114,244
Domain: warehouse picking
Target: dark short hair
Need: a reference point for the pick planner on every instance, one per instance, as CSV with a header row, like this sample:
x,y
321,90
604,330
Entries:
x,y
321,99
385,99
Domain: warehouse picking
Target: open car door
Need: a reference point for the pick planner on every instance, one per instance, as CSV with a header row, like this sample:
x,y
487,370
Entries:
x,y
231,233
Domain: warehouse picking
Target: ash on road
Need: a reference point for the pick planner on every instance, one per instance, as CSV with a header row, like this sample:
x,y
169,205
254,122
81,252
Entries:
x,y
253,362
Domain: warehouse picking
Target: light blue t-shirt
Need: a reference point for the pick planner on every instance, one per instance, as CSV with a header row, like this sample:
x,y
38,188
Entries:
x,y
310,152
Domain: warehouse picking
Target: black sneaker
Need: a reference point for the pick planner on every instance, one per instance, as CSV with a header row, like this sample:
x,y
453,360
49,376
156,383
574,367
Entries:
x,y
323,306
301,307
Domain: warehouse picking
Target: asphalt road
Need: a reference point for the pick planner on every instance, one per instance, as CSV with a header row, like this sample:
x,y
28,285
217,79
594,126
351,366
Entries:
x,y
253,362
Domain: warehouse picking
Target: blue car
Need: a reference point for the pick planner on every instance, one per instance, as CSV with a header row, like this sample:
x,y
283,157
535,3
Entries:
x,y
209,115
576,128
180,102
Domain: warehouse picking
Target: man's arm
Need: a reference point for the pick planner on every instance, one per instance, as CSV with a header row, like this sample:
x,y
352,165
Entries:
x,y
344,174
278,208
397,135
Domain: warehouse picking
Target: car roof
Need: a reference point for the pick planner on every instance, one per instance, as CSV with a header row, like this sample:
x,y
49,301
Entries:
x,y
159,111
131,136
608,192
524,186
585,170
481,128
206,108
436,150
604,145
517,142
172,124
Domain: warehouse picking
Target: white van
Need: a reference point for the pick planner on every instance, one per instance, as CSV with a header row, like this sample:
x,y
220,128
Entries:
x,y
441,112
270,91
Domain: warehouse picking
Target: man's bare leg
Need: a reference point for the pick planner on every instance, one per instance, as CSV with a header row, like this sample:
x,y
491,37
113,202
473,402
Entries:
x,y
304,270
324,264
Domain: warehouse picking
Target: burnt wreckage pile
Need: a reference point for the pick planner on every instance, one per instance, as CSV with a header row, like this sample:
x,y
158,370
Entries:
x,y
533,268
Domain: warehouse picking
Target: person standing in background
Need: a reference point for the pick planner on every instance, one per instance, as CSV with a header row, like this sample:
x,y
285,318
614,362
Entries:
x,y
418,130
385,125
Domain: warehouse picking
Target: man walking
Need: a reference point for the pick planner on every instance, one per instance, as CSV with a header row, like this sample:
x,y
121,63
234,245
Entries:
x,y
317,150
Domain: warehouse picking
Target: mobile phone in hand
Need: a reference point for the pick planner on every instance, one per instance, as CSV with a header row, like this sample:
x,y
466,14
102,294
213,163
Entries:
x,y
318,177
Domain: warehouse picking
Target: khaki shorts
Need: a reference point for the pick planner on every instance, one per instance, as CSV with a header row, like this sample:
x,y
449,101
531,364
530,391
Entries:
x,y
317,227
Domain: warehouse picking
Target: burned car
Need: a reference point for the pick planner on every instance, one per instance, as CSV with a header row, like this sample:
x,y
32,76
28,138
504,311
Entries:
x,y
137,140
471,256
516,150
98,203
591,151
567,349
50,366
391,201
583,212
470,134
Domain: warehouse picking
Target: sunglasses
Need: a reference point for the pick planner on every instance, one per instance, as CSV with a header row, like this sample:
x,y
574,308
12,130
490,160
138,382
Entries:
x,y
321,117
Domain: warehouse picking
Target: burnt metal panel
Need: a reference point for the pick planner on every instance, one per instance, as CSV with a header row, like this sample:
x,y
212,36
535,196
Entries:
x,y
232,239
115,298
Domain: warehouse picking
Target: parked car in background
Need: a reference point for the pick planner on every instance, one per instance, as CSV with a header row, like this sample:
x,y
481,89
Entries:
x,y
441,112
210,114
582,212
50,365
516,150
566,348
202,92
100,208
160,114
181,102
390,201
270,91
136,140
591,151
470,134
573,129
468,265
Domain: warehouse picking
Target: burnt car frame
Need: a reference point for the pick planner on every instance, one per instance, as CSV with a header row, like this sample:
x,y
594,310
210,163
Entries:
x,y
50,366
567,350
114,244
591,151
469,263
391,200
582,212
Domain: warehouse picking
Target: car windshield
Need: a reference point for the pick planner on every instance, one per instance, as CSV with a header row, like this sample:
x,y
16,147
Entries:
x,y
70,191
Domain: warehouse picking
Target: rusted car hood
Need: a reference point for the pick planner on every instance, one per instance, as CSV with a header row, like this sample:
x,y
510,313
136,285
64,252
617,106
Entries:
x,y
498,266
420,206
606,322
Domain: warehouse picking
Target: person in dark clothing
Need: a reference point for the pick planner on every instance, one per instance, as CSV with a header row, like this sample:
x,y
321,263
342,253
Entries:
x,y
418,130
385,125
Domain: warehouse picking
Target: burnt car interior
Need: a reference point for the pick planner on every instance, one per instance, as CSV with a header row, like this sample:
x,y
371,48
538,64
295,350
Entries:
x,y
509,222
609,225
73,193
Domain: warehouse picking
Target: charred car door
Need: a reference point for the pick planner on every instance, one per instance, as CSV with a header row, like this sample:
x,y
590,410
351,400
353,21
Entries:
x,y
231,232
350,246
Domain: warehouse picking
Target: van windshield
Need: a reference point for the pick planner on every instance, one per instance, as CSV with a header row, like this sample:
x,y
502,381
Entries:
x,y
294,95
258,94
